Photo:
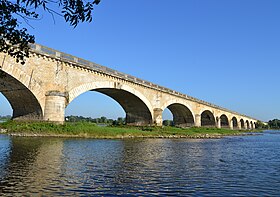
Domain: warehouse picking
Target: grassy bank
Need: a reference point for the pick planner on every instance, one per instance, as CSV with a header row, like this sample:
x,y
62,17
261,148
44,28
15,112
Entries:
x,y
90,130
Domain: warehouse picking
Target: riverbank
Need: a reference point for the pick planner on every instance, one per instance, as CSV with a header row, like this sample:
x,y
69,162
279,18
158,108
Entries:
x,y
90,130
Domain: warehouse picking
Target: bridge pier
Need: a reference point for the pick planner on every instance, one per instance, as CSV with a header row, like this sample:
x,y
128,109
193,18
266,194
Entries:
x,y
55,107
239,125
197,120
157,117
218,122
249,126
231,124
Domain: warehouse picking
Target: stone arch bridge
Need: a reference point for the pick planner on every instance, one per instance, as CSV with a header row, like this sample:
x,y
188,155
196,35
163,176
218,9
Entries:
x,y
49,80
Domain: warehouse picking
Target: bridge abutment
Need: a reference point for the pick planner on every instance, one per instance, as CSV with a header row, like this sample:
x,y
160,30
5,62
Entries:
x,y
55,106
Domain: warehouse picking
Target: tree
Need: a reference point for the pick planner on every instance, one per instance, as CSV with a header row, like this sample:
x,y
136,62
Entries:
x,y
167,123
103,119
274,124
261,125
15,40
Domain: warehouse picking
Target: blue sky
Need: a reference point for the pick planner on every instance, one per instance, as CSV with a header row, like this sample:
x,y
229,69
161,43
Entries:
x,y
223,52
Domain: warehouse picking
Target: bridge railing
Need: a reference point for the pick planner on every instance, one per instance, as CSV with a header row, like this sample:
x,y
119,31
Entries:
x,y
37,48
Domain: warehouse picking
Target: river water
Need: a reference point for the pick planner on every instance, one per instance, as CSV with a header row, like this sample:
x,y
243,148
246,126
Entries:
x,y
232,166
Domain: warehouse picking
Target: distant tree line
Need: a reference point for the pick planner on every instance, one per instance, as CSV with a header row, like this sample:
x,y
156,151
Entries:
x,y
104,120
261,125
271,124
7,117
167,123
274,124
101,120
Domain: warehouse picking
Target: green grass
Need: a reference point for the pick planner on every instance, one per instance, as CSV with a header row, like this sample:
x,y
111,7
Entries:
x,y
84,129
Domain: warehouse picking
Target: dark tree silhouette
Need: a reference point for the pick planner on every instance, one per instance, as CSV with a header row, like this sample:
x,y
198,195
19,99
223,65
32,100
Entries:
x,y
15,40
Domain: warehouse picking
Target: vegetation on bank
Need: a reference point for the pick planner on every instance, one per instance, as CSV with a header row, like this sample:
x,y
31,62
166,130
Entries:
x,y
90,130
102,120
106,121
274,124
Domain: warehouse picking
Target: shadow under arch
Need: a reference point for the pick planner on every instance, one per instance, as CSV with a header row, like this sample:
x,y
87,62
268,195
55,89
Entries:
x,y
234,123
135,105
242,124
224,121
207,119
23,102
251,124
247,124
182,115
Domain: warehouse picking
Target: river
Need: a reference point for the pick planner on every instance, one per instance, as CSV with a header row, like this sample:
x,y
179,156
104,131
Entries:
x,y
232,166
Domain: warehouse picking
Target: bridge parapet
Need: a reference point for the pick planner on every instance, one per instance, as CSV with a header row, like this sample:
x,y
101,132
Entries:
x,y
79,62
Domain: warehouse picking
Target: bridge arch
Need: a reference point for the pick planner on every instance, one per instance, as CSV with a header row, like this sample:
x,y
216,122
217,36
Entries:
x,y
182,113
234,122
136,106
224,121
252,124
207,119
242,124
23,101
247,124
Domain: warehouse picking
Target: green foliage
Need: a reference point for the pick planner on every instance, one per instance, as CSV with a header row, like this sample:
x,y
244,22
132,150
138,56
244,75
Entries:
x,y
12,40
274,124
167,123
15,40
261,125
5,118
120,121
101,120
88,129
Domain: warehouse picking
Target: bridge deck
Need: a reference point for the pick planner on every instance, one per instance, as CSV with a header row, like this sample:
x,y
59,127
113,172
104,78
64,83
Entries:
x,y
43,50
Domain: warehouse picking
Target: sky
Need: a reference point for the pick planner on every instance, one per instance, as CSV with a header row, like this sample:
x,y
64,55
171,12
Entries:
x,y
223,52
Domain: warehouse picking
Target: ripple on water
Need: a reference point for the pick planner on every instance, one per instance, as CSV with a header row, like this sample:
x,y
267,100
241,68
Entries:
x,y
234,166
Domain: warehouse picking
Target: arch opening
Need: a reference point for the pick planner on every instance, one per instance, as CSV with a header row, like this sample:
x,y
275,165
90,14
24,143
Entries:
x,y
252,125
6,110
167,117
224,121
93,106
182,116
136,112
242,124
234,123
207,119
24,104
247,124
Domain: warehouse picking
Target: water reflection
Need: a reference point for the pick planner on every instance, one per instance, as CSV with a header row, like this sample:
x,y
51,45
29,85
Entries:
x,y
56,166
4,154
31,165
